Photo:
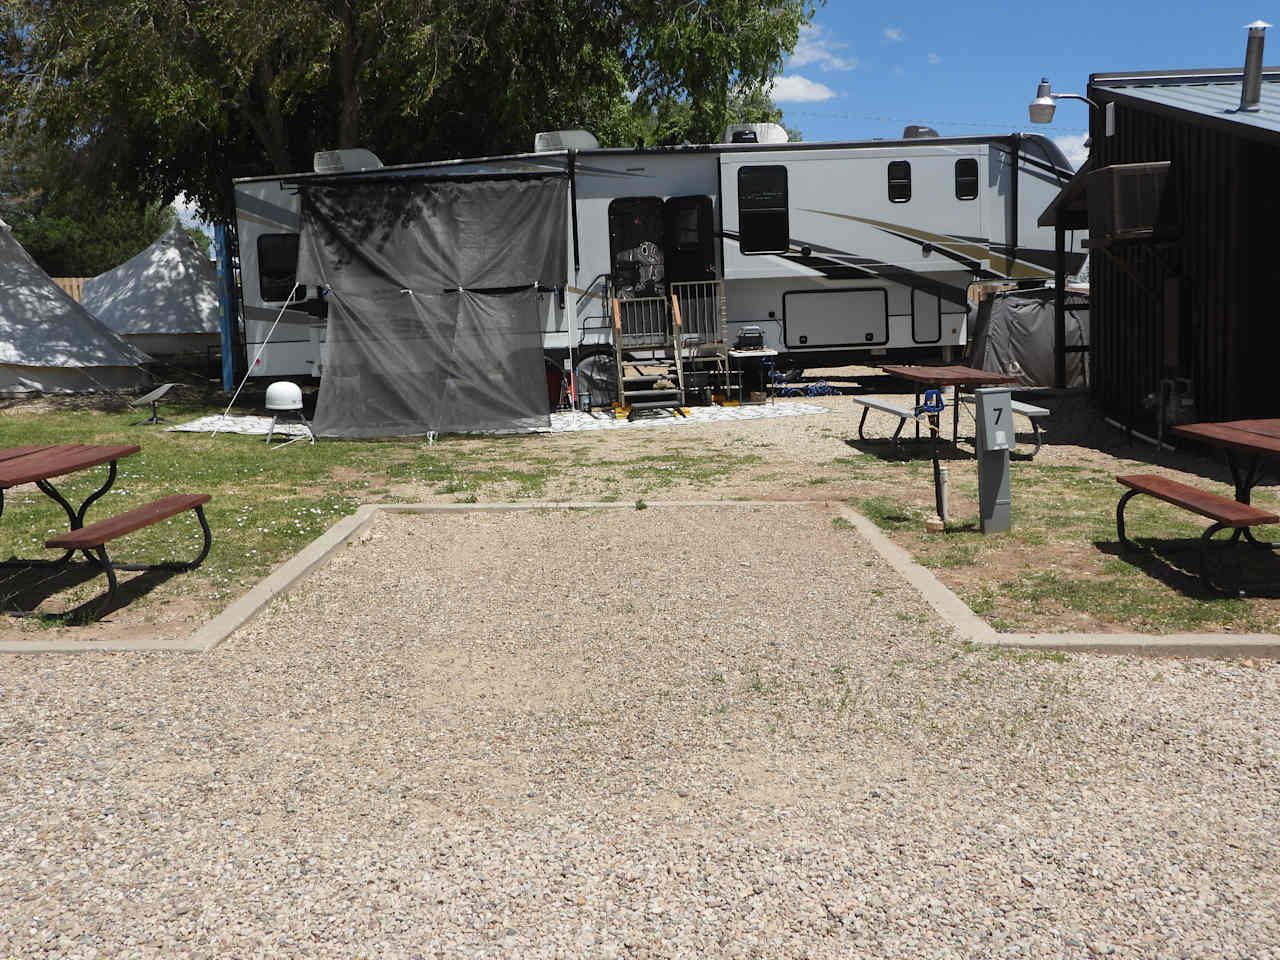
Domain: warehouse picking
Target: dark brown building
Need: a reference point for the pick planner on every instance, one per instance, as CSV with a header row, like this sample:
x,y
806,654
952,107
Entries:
x,y
1182,203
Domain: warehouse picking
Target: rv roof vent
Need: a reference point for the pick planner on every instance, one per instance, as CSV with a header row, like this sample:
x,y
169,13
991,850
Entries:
x,y
342,161
915,131
564,140
764,133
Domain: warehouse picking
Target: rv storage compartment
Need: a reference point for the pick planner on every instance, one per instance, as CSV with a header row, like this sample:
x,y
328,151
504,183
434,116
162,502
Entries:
x,y
836,318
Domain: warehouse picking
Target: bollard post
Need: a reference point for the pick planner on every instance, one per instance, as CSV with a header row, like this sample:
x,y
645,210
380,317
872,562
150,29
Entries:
x,y
994,414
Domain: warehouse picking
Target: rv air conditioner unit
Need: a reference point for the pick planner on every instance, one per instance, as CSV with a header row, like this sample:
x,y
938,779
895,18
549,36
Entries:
x,y
564,140
916,131
764,133
1132,201
343,161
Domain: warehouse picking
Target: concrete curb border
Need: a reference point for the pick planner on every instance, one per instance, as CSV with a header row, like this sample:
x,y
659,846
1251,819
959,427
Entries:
x,y
973,629
968,626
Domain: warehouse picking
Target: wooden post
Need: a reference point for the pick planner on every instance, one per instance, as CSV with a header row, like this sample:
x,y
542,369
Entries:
x,y
1060,303
617,349
677,331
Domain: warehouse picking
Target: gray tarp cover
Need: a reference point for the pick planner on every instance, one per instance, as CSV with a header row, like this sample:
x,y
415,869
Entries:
x,y
435,323
1014,333
48,342
170,287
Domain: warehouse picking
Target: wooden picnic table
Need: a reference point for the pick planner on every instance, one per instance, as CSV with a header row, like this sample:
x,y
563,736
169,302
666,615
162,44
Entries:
x,y
1247,444
938,378
41,463
954,376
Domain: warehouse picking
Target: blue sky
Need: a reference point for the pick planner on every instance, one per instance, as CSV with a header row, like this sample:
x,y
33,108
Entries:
x,y
863,71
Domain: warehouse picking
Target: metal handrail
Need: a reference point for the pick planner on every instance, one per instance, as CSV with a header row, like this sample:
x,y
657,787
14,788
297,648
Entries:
x,y
591,286
700,309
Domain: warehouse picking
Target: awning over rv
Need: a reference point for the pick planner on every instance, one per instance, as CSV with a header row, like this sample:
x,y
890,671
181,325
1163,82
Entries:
x,y
1070,208
437,297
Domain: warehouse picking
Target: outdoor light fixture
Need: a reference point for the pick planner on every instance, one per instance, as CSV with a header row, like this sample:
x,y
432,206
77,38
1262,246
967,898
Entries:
x,y
1042,107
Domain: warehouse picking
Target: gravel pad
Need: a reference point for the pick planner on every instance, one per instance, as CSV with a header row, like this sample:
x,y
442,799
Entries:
x,y
672,732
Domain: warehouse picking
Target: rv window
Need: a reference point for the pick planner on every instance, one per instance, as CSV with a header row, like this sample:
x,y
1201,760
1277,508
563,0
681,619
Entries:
x,y
966,179
688,234
763,226
899,181
277,265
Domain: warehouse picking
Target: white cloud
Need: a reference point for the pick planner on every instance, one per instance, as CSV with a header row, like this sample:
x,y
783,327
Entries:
x,y
814,47
1072,144
796,89
188,216
894,34
934,59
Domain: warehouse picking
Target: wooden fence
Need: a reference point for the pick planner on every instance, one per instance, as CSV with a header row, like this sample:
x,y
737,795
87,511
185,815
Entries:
x,y
72,285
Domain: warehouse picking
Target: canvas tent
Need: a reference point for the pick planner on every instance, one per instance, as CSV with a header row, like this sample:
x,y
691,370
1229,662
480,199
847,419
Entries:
x,y
434,290
163,301
1013,332
48,342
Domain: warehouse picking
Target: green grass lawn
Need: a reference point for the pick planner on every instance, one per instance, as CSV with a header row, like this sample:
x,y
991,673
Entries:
x,y
1060,566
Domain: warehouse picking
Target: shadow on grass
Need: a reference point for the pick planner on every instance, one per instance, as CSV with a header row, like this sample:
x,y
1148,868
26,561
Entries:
x,y
23,588
1175,562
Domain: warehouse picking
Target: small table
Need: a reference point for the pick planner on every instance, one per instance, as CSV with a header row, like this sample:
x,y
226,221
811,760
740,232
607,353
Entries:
x,y
755,363
953,376
39,464
1246,443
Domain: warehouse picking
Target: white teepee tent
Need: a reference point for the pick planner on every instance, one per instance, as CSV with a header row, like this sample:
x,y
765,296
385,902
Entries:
x,y
163,301
48,342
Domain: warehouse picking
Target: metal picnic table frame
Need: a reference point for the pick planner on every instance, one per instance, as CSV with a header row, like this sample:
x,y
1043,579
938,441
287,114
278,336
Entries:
x,y
40,463
1256,440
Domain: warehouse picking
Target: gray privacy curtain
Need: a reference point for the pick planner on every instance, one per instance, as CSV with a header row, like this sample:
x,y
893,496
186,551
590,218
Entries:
x,y
1013,332
434,315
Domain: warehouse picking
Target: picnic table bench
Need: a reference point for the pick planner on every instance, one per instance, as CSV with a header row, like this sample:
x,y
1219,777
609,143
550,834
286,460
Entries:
x,y
874,403
41,463
96,536
1224,511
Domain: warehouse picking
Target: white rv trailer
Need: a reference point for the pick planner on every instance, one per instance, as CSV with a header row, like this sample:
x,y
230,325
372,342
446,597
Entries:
x,y
838,252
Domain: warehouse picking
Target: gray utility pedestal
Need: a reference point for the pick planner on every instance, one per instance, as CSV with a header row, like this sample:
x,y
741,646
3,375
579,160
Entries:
x,y
994,413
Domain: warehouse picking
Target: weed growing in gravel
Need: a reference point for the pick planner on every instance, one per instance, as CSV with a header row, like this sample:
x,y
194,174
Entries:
x,y
1014,654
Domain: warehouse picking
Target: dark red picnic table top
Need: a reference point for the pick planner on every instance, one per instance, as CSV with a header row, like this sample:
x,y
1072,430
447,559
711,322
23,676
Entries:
x,y
948,376
42,462
1254,436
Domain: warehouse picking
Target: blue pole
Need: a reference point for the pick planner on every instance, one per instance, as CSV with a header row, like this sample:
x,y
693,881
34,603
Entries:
x,y
226,306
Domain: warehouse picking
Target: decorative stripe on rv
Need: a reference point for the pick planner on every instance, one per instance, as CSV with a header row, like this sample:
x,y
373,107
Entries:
x,y
954,247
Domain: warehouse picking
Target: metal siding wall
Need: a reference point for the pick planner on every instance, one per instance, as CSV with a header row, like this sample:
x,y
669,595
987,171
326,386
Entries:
x,y
1128,315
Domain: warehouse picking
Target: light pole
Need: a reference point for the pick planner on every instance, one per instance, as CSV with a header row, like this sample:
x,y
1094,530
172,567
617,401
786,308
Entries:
x,y
1041,110
1042,107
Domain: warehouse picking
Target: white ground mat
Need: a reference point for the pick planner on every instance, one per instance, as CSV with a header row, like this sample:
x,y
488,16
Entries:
x,y
569,421
254,426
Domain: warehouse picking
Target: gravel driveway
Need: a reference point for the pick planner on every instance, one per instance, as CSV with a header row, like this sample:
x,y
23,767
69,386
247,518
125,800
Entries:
x,y
673,732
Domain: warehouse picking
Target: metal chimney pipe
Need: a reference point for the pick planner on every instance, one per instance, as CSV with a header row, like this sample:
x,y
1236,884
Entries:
x,y
1251,84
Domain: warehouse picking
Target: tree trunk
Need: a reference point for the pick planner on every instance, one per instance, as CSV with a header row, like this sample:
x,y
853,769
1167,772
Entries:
x,y
349,77
267,121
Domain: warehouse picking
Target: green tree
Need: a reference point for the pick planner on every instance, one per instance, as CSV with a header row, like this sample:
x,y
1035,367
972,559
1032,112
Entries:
x,y
72,229
670,122
165,96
